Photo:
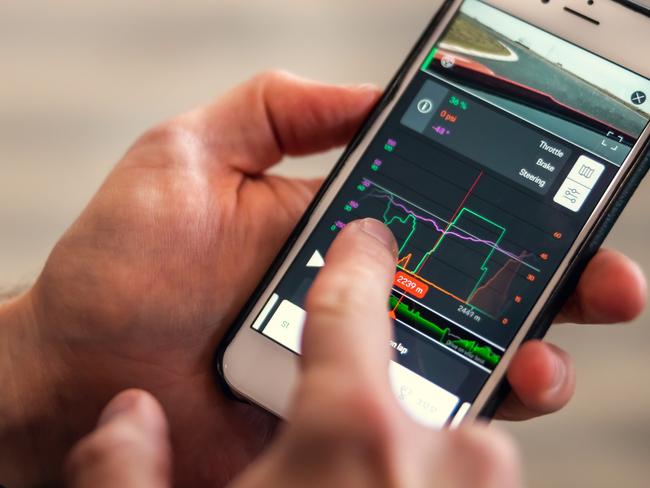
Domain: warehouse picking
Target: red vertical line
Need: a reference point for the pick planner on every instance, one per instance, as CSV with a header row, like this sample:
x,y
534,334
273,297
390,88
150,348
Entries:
x,y
392,314
460,207
398,302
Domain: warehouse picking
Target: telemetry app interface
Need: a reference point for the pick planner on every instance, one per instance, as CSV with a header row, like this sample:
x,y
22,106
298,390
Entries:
x,y
486,171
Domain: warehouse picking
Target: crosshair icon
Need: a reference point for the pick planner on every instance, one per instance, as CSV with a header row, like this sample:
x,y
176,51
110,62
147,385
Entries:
x,y
639,98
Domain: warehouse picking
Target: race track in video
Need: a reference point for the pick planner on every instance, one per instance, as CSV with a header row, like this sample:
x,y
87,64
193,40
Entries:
x,y
538,73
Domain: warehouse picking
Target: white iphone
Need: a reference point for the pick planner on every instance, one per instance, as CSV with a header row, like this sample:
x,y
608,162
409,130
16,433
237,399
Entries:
x,y
500,157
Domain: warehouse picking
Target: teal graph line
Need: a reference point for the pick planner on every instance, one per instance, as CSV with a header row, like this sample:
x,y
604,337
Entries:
x,y
388,221
412,219
437,222
484,266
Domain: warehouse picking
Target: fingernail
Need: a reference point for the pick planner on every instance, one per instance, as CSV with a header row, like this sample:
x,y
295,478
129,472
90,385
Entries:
x,y
380,232
365,87
560,374
370,91
121,404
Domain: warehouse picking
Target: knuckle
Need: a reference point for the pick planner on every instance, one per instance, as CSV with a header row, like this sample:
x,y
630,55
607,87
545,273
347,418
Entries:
x,y
326,295
180,136
272,76
166,132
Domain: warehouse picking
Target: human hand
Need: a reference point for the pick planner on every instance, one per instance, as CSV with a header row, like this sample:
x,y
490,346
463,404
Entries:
x,y
345,426
142,287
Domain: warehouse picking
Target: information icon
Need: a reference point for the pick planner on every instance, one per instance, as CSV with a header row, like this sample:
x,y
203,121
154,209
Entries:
x,y
425,106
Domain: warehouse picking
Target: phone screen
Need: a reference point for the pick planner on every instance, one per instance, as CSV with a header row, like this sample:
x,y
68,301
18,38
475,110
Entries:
x,y
486,171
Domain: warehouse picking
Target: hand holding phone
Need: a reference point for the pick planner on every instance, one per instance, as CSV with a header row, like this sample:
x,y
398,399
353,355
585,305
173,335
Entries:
x,y
346,428
500,157
160,318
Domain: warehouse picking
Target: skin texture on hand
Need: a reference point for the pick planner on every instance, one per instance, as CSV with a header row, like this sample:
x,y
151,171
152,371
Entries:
x,y
144,284
345,426
139,291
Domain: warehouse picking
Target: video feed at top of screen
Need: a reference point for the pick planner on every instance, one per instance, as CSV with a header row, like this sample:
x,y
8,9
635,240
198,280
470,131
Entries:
x,y
541,78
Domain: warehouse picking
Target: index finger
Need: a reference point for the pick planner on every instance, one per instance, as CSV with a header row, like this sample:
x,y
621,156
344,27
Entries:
x,y
347,326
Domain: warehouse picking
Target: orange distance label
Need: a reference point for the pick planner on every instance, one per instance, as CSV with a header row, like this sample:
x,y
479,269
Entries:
x,y
410,285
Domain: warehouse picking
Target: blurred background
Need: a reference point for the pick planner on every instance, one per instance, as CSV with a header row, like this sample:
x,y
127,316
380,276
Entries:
x,y
80,80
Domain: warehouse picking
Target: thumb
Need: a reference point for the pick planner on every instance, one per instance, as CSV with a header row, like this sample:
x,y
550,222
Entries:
x,y
347,327
277,114
129,448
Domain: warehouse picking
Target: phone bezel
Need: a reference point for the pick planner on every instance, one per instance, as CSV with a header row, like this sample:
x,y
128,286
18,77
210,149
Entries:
x,y
271,386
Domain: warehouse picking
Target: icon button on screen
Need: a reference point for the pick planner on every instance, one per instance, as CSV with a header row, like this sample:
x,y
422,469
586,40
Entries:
x,y
578,184
425,106
639,98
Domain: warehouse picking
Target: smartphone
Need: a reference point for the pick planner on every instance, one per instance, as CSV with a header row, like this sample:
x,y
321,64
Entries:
x,y
500,156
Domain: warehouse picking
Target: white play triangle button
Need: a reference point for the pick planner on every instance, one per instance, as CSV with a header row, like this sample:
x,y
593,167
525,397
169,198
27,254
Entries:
x,y
316,261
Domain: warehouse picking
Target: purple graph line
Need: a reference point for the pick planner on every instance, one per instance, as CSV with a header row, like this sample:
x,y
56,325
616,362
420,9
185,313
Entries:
x,y
465,237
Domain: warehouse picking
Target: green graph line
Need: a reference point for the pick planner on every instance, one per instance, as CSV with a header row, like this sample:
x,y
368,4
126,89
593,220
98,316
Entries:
x,y
412,219
466,345
415,317
483,352
429,59
451,226
389,221
484,266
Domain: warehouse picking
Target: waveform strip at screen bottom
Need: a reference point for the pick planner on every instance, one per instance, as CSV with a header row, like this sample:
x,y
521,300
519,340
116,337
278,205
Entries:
x,y
448,335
